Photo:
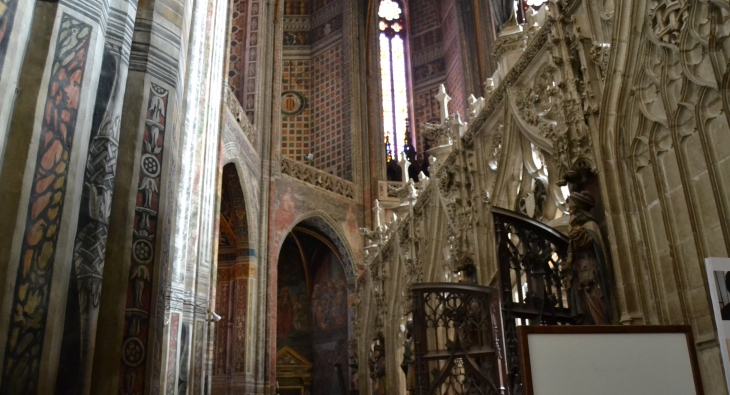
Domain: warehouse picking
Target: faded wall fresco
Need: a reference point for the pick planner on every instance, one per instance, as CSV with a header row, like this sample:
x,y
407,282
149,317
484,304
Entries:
x,y
294,320
312,309
329,323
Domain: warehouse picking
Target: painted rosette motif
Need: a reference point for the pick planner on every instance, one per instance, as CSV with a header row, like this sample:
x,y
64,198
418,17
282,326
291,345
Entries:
x,y
139,290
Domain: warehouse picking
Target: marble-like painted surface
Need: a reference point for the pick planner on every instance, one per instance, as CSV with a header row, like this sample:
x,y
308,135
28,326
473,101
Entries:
x,y
47,198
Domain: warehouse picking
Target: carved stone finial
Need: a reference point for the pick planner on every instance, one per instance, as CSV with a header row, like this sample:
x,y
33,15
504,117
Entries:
x,y
423,180
443,100
459,127
404,165
489,87
378,211
475,105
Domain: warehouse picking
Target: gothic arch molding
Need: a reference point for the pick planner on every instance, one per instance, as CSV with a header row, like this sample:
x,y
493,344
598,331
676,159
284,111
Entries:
x,y
324,223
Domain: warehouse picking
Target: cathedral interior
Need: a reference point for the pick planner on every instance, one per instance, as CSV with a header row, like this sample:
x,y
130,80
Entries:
x,y
311,197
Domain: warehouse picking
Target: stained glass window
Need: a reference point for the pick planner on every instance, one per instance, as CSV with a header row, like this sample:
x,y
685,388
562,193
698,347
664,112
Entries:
x,y
393,77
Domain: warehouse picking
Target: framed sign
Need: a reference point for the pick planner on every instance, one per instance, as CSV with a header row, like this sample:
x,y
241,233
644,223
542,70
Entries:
x,y
718,277
608,360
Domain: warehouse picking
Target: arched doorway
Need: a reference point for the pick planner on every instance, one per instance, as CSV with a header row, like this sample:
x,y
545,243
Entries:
x,y
312,315
235,280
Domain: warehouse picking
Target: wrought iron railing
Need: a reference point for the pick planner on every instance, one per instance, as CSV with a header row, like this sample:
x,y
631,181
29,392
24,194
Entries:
x,y
530,255
456,333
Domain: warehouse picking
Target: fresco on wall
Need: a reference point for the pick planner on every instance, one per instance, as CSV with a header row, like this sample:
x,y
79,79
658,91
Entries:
x,y
293,323
329,318
312,309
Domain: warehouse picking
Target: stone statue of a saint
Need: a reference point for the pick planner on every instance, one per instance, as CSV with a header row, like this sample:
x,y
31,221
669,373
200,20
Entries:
x,y
585,275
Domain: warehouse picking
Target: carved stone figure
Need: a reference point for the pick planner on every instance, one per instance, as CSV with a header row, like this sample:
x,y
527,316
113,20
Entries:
x,y
409,358
376,360
585,274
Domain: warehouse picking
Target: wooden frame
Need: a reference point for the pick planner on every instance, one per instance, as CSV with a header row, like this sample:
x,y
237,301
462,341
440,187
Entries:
x,y
716,269
524,331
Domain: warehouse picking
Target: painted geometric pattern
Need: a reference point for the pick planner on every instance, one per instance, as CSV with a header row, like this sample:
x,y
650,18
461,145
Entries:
x,y
239,19
251,71
43,218
139,290
7,16
328,101
295,129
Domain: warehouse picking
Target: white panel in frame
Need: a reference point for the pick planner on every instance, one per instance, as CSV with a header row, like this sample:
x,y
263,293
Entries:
x,y
608,360
718,277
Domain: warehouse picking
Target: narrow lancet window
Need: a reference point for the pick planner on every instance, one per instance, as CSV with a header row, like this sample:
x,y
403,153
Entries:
x,y
393,77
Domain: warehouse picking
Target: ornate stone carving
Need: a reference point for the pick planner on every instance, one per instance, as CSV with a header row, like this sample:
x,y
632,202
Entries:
x,y
509,43
585,274
318,178
599,55
240,115
667,20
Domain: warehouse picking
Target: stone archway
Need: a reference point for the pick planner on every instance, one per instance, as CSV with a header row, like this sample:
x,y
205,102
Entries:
x,y
312,310
236,270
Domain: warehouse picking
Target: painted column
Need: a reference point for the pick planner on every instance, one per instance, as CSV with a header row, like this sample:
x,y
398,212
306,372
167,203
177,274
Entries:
x,y
82,304
132,304
43,179
15,23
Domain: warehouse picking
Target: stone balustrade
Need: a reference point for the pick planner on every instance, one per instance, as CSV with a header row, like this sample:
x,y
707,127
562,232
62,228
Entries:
x,y
318,178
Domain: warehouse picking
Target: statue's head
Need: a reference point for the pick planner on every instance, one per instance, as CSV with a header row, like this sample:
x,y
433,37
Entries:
x,y
579,207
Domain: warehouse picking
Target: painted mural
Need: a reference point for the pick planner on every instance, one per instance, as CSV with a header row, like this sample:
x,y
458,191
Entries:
x,y
294,320
46,201
329,319
312,309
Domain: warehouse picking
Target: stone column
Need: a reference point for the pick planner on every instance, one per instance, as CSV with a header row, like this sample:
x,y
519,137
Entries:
x,y
87,262
15,24
128,355
42,178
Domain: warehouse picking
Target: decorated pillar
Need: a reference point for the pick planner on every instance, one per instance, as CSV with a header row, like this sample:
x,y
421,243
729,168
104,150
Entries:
x,y
138,253
15,24
57,80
